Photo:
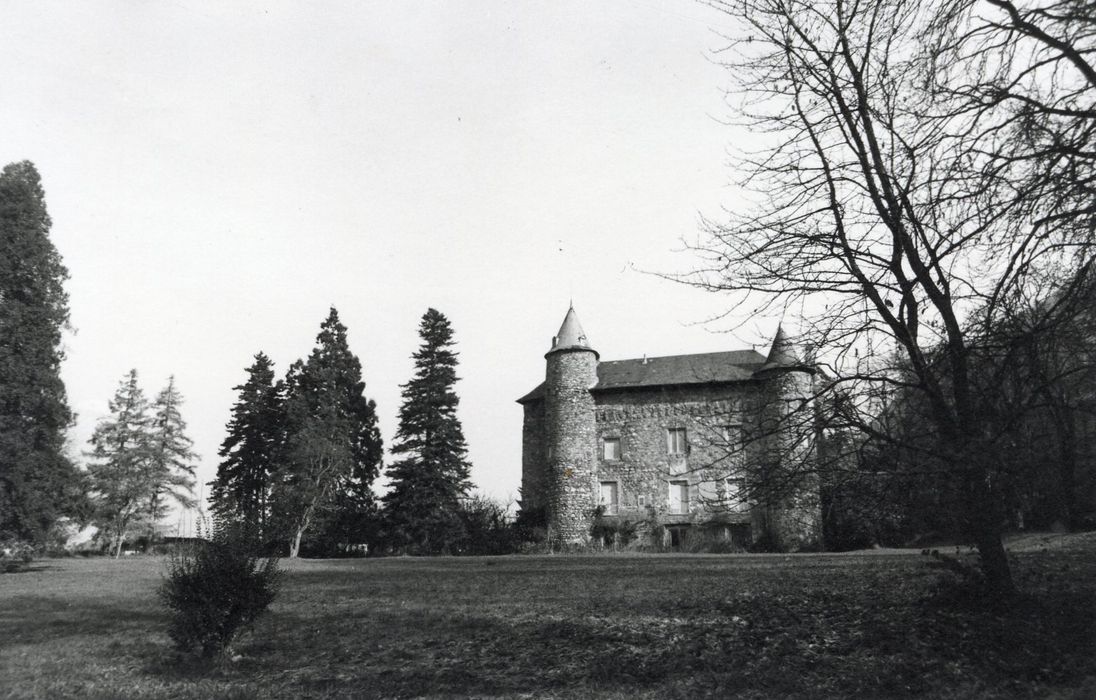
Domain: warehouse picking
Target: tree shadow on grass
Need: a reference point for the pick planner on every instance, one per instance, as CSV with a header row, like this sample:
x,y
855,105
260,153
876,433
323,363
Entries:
x,y
35,620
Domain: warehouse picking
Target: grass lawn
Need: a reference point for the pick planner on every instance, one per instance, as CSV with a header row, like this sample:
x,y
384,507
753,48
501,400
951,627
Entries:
x,y
860,625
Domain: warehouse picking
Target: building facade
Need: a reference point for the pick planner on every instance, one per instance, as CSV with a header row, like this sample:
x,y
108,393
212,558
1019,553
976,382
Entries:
x,y
715,446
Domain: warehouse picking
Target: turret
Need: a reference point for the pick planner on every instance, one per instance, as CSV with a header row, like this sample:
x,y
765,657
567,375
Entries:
x,y
790,517
570,432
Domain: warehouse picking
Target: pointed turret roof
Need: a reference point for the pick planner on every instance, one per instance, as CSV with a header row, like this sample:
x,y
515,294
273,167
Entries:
x,y
570,335
782,354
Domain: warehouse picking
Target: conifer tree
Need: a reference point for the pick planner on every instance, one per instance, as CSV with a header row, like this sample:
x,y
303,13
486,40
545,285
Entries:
x,y
332,440
172,461
241,491
427,483
38,483
120,471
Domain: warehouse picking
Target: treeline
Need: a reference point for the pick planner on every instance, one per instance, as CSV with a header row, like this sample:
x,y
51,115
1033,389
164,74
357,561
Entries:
x,y
302,453
298,463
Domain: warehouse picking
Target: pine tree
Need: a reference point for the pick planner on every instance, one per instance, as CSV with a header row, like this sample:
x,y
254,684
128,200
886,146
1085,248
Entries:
x,y
121,471
38,483
332,440
241,491
172,461
422,509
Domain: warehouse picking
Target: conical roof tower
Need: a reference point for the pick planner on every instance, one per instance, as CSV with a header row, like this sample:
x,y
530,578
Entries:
x,y
571,336
782,355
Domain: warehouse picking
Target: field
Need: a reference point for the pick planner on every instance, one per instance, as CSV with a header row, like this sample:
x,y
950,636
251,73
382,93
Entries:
x,y
755,626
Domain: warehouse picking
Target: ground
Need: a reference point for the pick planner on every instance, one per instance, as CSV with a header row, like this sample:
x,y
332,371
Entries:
x,y
625,626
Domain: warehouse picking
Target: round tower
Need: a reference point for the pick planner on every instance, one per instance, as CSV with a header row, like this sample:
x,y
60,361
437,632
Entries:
x,y
791,514
571,433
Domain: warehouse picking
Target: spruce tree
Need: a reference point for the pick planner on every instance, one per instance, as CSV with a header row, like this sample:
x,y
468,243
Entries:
x,y
332,440
422,509
172,461
121,472
38,483
241,491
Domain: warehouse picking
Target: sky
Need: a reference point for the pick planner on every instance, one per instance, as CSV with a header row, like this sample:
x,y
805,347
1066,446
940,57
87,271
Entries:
x,y
220,174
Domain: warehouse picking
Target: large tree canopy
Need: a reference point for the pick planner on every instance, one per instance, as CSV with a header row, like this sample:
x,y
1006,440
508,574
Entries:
x,y
38,483
422,509
905,210
256,431
140,458
332,442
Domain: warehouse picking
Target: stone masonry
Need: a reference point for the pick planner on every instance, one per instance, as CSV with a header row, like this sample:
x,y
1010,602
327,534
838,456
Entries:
x,y
682,442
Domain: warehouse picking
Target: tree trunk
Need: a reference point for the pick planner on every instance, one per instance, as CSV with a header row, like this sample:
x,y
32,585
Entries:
x,y
995,564
295,545
984,521
1067,466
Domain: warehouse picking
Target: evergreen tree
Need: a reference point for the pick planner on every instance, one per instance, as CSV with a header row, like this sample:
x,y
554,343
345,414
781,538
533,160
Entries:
x,y
333,444
241,491
422,509
172,461
122,475
38,483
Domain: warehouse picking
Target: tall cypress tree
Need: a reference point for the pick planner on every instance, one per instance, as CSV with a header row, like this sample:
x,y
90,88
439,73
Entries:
x,y
38,483
332,440
172,459
256,431
422,508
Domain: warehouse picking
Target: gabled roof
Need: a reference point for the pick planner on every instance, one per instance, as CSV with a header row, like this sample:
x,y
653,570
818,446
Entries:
x,y
675,370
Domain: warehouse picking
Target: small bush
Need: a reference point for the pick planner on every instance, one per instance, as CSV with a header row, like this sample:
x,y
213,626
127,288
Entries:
x,y
612,532
15,555
215,589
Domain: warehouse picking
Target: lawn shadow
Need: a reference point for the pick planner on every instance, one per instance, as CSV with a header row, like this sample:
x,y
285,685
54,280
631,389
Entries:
x,y
33,620
409,653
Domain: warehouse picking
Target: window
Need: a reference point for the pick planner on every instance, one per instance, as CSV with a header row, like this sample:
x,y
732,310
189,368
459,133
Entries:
x,y
732,435
679,497
676,441
610,497
641,500
610,448
732,494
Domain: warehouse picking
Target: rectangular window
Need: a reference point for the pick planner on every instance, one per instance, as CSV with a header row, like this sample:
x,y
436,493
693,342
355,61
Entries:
x,y
676,442
610,448
679,497
732,435
610,497
732,494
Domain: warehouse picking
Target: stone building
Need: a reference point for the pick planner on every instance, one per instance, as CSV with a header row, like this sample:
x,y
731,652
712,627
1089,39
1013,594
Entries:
x,y
714,446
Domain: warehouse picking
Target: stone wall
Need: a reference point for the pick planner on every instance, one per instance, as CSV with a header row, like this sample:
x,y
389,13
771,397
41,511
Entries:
x,y
791,515
564,461
534,483
714,420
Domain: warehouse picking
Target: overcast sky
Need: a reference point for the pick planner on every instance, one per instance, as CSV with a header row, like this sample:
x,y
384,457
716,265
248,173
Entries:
x,y
219,174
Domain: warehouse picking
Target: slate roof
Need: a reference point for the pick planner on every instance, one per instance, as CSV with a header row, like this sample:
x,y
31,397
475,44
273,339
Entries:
x,y
570,335
675,370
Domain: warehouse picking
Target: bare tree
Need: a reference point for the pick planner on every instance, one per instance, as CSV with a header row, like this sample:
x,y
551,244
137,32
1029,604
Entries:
x,y
884,209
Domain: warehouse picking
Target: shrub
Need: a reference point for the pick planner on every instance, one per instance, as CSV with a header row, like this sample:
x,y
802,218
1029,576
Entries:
x,y
216,589
487,527
15,554
612,532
